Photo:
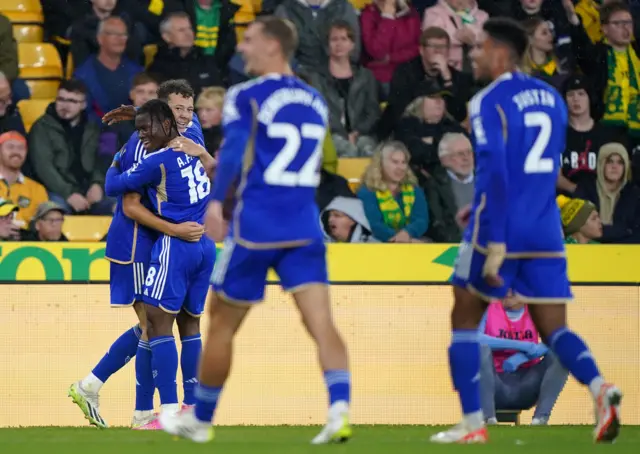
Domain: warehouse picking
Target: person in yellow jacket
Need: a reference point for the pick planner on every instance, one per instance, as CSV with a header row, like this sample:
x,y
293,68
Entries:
x,y
24,192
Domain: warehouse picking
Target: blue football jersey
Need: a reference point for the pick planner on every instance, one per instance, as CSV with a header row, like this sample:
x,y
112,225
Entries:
x,y
519,128
274,128
177,185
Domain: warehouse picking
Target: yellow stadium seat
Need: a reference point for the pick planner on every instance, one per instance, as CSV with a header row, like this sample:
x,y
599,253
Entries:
x,y
25,6
32,109
39,61
352,168
149,51
360,4
25,33
43,89
19,17
86,228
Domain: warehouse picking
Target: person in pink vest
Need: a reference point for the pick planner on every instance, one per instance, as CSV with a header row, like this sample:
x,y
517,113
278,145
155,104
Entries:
x,y
517,371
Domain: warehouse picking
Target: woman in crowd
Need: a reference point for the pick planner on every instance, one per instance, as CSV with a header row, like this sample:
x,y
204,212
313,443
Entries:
x,y
615,197
540,60
581,222
393,202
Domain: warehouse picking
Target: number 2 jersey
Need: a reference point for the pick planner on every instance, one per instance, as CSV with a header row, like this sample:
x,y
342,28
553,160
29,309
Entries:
x,y
519,125
274,128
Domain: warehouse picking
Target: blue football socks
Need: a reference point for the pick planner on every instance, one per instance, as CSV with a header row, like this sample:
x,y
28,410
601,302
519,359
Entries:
x,y
119,354
189,360
464,361
338,385
206,402
574,355
144,378
164,363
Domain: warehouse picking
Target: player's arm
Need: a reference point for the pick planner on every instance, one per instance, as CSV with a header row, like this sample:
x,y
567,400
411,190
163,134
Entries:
x,y
190,147
133,180
134,209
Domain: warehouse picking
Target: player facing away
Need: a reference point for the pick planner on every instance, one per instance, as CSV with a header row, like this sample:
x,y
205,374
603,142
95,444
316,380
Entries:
x,y
513,240
274,127
176,282
132,233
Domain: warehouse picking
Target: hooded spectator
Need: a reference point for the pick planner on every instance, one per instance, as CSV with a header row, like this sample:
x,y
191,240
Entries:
x,y
344,221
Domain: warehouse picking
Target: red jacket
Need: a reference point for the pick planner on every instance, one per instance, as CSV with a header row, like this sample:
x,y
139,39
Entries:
x,y
388,41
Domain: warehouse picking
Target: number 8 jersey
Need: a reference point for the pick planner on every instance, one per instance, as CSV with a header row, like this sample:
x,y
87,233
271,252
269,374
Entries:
x,y
274,129
519,126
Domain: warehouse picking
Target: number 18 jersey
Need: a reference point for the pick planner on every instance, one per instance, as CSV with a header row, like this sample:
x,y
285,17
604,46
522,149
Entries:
x,y
274,129
519,126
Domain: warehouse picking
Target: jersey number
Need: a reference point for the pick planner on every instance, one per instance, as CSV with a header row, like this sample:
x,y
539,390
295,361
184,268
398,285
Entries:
x,y
198,182
309,175
535,163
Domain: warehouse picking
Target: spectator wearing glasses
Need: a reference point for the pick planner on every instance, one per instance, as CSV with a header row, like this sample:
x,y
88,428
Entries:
x,y
63,147
10,118
47,224
430,67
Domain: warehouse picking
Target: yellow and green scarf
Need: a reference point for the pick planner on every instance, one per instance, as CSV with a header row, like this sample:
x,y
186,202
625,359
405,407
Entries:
x,y
393,216
621,95
549,67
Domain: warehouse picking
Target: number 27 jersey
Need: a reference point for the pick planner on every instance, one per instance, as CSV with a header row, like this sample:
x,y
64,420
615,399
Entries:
x,y
286,122
519,126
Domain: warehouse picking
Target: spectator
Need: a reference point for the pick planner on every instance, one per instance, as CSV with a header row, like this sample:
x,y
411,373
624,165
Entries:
x,y
351,93
22,191
617,200
430,67
517,371
9,227
313,20
146,16
143,88
59,15
581,222
393,202
10,119
178,58
344,221
47,224
209,108
540,60
331,186
584,137
390,36
495,8
462,20
85,33
109,74
213,26
63,146
612,65
9,61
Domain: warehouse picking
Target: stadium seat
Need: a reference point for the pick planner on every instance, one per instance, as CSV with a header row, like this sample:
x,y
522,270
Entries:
x,y
25,6
360,4
508,416
39,61
86,228
28,18
32,109
43,89
149,51
25,33
352,169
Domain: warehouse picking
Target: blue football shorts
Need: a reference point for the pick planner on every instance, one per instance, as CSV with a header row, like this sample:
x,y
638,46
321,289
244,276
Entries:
x,y
126,281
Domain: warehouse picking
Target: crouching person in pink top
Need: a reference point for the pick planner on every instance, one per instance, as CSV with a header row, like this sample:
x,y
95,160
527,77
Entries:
x,y
517,370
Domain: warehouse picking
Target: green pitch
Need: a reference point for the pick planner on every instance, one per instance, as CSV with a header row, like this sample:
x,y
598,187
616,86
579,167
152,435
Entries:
x,y
294,440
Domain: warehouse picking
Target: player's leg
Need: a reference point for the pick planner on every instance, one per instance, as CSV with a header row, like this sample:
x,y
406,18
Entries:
x,y
189,331
303,272
85,393
545,286
471,294
145,386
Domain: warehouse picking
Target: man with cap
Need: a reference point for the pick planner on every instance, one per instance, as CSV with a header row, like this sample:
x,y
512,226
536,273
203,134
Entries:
x,y
584,136
24,192
9,228
581,222
47,224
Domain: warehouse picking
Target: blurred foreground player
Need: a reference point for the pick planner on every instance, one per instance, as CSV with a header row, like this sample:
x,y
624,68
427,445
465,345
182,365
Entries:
x,y
274,128
513,238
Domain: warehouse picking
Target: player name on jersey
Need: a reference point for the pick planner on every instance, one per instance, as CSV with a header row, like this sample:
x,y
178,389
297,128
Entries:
x,y
529,98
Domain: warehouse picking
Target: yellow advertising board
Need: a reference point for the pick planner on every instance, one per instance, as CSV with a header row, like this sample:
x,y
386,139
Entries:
x,y
348,263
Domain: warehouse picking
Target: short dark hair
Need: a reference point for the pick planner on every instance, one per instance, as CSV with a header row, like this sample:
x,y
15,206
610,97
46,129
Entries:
x,y
510,33
341,24
143,78
158,110
175,87
283,31
73,86
433,33
610,9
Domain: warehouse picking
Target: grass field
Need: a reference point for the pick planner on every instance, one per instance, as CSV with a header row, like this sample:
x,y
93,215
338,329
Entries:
x,y
294,440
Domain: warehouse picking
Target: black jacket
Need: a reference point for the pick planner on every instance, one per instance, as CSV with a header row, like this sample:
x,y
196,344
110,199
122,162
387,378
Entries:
x,y
331,186
407,80
60,14
12,121
199,70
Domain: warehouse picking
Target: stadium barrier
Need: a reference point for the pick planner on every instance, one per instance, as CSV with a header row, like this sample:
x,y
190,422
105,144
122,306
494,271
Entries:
x,y
392,304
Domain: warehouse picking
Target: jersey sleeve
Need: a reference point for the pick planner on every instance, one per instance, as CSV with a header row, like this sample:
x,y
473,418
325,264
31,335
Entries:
x,y
237,122
489,127
145,173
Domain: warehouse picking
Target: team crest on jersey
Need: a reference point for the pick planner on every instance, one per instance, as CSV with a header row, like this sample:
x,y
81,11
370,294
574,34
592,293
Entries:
x,y
24,202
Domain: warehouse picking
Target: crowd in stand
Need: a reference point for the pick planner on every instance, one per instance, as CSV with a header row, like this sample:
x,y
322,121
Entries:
x,y
397,80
